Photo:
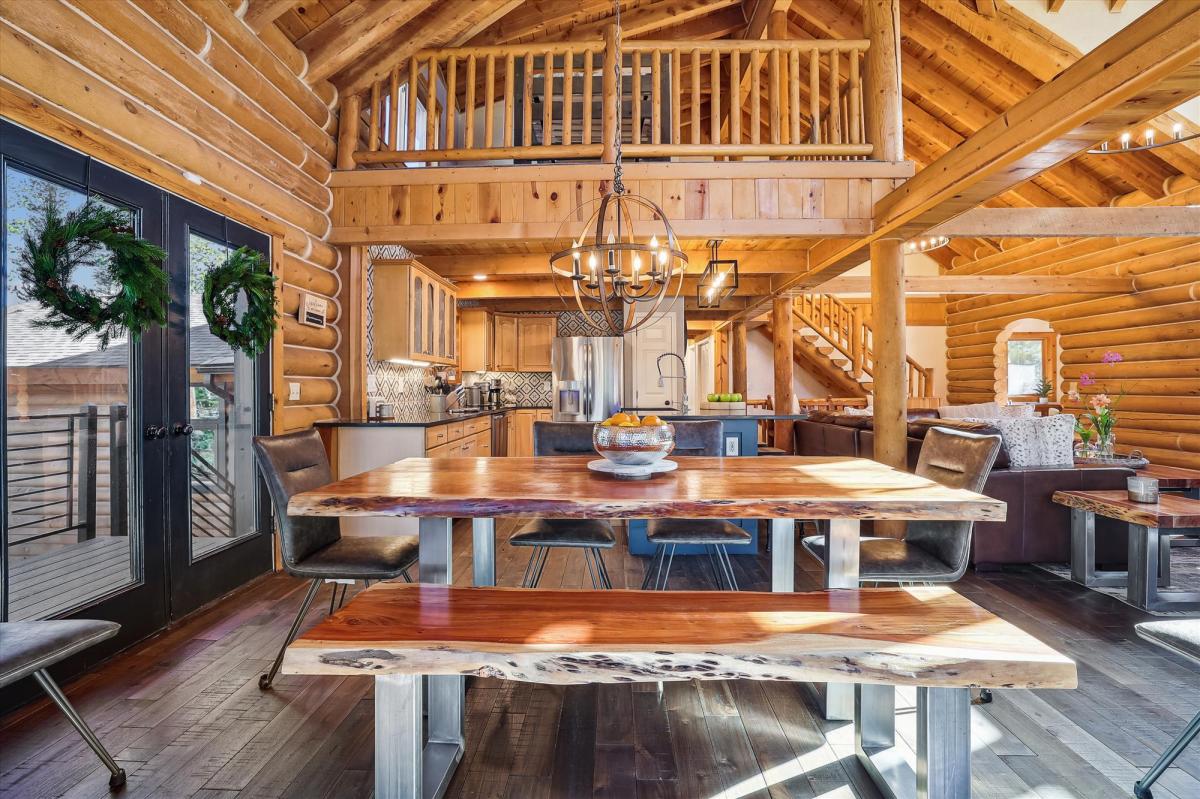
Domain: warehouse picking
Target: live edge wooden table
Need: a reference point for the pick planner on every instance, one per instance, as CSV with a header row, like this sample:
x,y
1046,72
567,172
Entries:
x,y
1150,525
780,489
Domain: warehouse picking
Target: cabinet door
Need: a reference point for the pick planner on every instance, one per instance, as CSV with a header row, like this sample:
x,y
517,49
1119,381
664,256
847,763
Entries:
x,y
475,340
452,324
506,344
441,323
417,338
430,318
521,443
534,336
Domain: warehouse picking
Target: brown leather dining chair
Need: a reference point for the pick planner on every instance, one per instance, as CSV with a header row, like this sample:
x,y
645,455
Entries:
x,y
931,551
312,547
590,535
703,439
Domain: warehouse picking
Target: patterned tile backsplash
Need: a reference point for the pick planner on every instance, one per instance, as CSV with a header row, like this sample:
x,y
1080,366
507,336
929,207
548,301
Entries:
x,y
403,386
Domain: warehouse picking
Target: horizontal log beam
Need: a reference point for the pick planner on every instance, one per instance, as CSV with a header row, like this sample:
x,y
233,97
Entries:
x,y
1072,222
990,284
505,267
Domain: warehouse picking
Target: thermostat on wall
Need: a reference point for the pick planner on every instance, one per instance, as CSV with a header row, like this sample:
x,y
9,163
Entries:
x,y
313,310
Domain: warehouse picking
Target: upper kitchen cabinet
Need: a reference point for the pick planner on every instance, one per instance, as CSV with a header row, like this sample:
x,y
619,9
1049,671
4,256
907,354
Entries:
x,y
476,352
522,343
415,312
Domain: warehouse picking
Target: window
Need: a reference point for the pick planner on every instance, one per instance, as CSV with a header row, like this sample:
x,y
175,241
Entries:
x,y
1031,358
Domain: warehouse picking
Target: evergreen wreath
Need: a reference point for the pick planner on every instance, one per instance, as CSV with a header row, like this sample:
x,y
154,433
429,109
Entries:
x,y
87,235
245,270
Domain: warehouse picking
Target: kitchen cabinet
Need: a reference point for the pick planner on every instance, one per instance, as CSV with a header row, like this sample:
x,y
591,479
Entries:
x,y
520,434
475,348
415,314
504,349
535,335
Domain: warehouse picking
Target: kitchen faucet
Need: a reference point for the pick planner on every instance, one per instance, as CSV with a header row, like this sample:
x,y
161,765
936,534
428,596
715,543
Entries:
x,y
683,409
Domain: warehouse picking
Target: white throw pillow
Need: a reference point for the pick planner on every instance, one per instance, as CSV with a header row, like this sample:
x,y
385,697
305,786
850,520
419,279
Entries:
x,y
1023,410
1039,441
982,410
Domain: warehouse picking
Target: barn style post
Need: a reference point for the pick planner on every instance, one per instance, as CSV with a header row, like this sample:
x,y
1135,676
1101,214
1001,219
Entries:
x,y
781,323
737,357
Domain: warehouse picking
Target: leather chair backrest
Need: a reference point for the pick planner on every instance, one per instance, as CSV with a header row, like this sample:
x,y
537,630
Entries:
x,y
700,439
958,460
292,463
563,438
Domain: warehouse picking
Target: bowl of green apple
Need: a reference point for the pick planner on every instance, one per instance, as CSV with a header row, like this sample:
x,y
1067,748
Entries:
x,y
724,403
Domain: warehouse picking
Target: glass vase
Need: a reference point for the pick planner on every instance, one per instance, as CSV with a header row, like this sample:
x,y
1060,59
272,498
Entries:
x,y
1105,444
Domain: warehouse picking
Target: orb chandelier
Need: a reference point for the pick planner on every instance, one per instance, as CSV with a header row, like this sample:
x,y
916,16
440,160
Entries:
x,y
609,261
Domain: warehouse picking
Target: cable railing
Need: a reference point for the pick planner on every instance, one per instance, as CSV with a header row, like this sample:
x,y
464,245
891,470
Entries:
x,y
212,500
799,99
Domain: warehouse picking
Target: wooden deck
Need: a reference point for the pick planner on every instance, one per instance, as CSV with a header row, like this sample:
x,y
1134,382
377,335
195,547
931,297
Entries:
x,y
185,717
52,583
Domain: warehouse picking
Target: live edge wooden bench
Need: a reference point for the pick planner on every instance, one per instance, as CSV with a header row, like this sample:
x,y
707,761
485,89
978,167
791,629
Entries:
x,y
931,638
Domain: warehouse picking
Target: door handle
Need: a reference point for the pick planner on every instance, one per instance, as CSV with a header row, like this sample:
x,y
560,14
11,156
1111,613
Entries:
x,y
181,429
153,432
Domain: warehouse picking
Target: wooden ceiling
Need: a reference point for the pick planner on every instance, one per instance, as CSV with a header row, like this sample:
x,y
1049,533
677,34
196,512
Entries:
x,y
964,62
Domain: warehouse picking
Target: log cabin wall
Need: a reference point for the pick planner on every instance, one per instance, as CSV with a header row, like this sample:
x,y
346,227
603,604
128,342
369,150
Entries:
x,y
1156,330
160,88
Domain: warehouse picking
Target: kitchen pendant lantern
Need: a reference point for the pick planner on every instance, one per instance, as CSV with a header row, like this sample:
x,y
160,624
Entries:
x,y
609,261
720,278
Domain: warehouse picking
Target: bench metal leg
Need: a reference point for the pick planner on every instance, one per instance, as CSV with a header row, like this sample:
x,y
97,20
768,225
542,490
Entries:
x,y
783,555
264,682
1141,788
941,766
841,571
483,550
59,698
399,766
1145,553
1083,553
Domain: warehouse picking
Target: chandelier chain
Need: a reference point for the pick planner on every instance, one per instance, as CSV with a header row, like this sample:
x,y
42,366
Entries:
x,y
618,185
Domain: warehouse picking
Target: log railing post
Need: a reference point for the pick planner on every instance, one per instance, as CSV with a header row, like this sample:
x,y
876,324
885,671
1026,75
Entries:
x,y
611,101
781,323
348,126
881,25
738,359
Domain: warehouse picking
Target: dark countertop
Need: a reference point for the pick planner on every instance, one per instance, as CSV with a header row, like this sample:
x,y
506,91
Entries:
x,y
427,419
752,415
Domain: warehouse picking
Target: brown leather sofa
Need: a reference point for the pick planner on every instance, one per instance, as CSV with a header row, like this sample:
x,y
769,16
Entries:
x,y
1036,529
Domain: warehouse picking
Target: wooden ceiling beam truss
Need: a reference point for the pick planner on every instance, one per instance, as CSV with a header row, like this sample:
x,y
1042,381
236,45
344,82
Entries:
x,y
353,32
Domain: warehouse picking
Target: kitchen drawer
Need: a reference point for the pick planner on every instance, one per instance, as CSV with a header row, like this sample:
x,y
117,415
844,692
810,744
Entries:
x,y
441,451
437,435
476,425
454,431
467,448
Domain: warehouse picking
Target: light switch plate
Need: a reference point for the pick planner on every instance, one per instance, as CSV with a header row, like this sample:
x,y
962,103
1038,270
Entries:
x,y
733,446
293,390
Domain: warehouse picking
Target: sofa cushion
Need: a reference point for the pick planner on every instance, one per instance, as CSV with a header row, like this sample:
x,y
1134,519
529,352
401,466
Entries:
x,y
857,421
1040,441
980,410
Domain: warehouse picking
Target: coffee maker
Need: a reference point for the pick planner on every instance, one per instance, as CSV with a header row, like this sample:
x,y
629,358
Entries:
x,y
495,389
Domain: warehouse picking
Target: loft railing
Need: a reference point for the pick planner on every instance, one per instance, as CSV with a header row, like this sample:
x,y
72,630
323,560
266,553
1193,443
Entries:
x,y
769,98
843,327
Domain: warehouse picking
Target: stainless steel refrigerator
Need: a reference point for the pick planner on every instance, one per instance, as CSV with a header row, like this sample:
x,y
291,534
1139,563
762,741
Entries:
x,y
587,375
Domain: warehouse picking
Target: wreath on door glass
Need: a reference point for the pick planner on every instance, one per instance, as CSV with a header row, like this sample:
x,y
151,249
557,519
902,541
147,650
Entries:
x,y
101,236
244,273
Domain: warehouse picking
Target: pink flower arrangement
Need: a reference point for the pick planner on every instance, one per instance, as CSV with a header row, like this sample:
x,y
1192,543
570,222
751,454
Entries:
x,y
1100,401
1086,379
1111,357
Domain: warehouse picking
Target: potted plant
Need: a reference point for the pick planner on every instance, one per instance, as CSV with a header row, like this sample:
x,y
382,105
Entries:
x,y
1044,390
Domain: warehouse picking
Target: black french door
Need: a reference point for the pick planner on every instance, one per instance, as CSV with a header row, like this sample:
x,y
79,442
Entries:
x,y
128,486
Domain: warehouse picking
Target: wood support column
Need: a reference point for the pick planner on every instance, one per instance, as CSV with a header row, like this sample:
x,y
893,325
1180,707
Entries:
x,y
737,357
781,324
348,125
882,99
611,103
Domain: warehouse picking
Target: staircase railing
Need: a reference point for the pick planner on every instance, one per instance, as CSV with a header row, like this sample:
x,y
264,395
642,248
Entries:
x,y
842,325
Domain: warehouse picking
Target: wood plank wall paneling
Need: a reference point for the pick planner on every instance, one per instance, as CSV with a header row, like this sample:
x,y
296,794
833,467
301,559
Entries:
x,y
1156,330
160,87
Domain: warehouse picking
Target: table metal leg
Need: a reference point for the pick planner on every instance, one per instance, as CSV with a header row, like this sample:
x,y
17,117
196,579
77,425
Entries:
x,y
1083,553
483,550
841,571
783,555
1145,551
446,694
398,755
941,766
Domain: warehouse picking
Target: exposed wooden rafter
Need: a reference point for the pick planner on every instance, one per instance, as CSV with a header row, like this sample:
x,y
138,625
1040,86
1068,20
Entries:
x,y
354,31
1071,222
258,14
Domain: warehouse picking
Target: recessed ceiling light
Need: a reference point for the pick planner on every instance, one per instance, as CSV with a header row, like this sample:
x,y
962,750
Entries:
x,y
481,277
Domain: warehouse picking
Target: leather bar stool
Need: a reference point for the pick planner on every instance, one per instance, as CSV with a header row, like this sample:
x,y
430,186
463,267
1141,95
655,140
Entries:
x,y
554,439
312,546
931,551
1181,636
697,439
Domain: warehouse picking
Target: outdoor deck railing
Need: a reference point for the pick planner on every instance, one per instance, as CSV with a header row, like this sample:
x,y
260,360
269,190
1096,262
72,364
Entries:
x,y
212,500
789,99
50,474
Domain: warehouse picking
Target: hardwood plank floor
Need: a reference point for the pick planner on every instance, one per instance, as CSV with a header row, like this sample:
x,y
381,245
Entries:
x,y
183,713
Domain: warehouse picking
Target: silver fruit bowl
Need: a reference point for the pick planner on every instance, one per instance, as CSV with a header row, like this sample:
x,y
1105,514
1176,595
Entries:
x,y
634,446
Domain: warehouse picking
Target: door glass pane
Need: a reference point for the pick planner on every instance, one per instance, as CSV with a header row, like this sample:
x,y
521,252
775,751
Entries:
x,y
1024,366
221,395
419,320
71,532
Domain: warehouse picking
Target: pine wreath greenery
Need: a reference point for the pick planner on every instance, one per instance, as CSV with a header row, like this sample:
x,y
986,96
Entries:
x,y
247,272
101,235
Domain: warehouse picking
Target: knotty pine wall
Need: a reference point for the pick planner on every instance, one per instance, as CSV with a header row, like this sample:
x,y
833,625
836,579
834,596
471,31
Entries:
x,y
1156,330
159,87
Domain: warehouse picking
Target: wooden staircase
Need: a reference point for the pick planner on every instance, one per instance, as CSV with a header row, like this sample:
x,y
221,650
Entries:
x,y
834,344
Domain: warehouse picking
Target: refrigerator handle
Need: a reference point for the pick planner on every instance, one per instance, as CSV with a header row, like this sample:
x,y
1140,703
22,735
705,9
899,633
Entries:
x,y
587,381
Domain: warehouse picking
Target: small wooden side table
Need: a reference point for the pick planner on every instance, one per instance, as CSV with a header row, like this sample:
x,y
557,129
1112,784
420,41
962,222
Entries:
x,y
1150,527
